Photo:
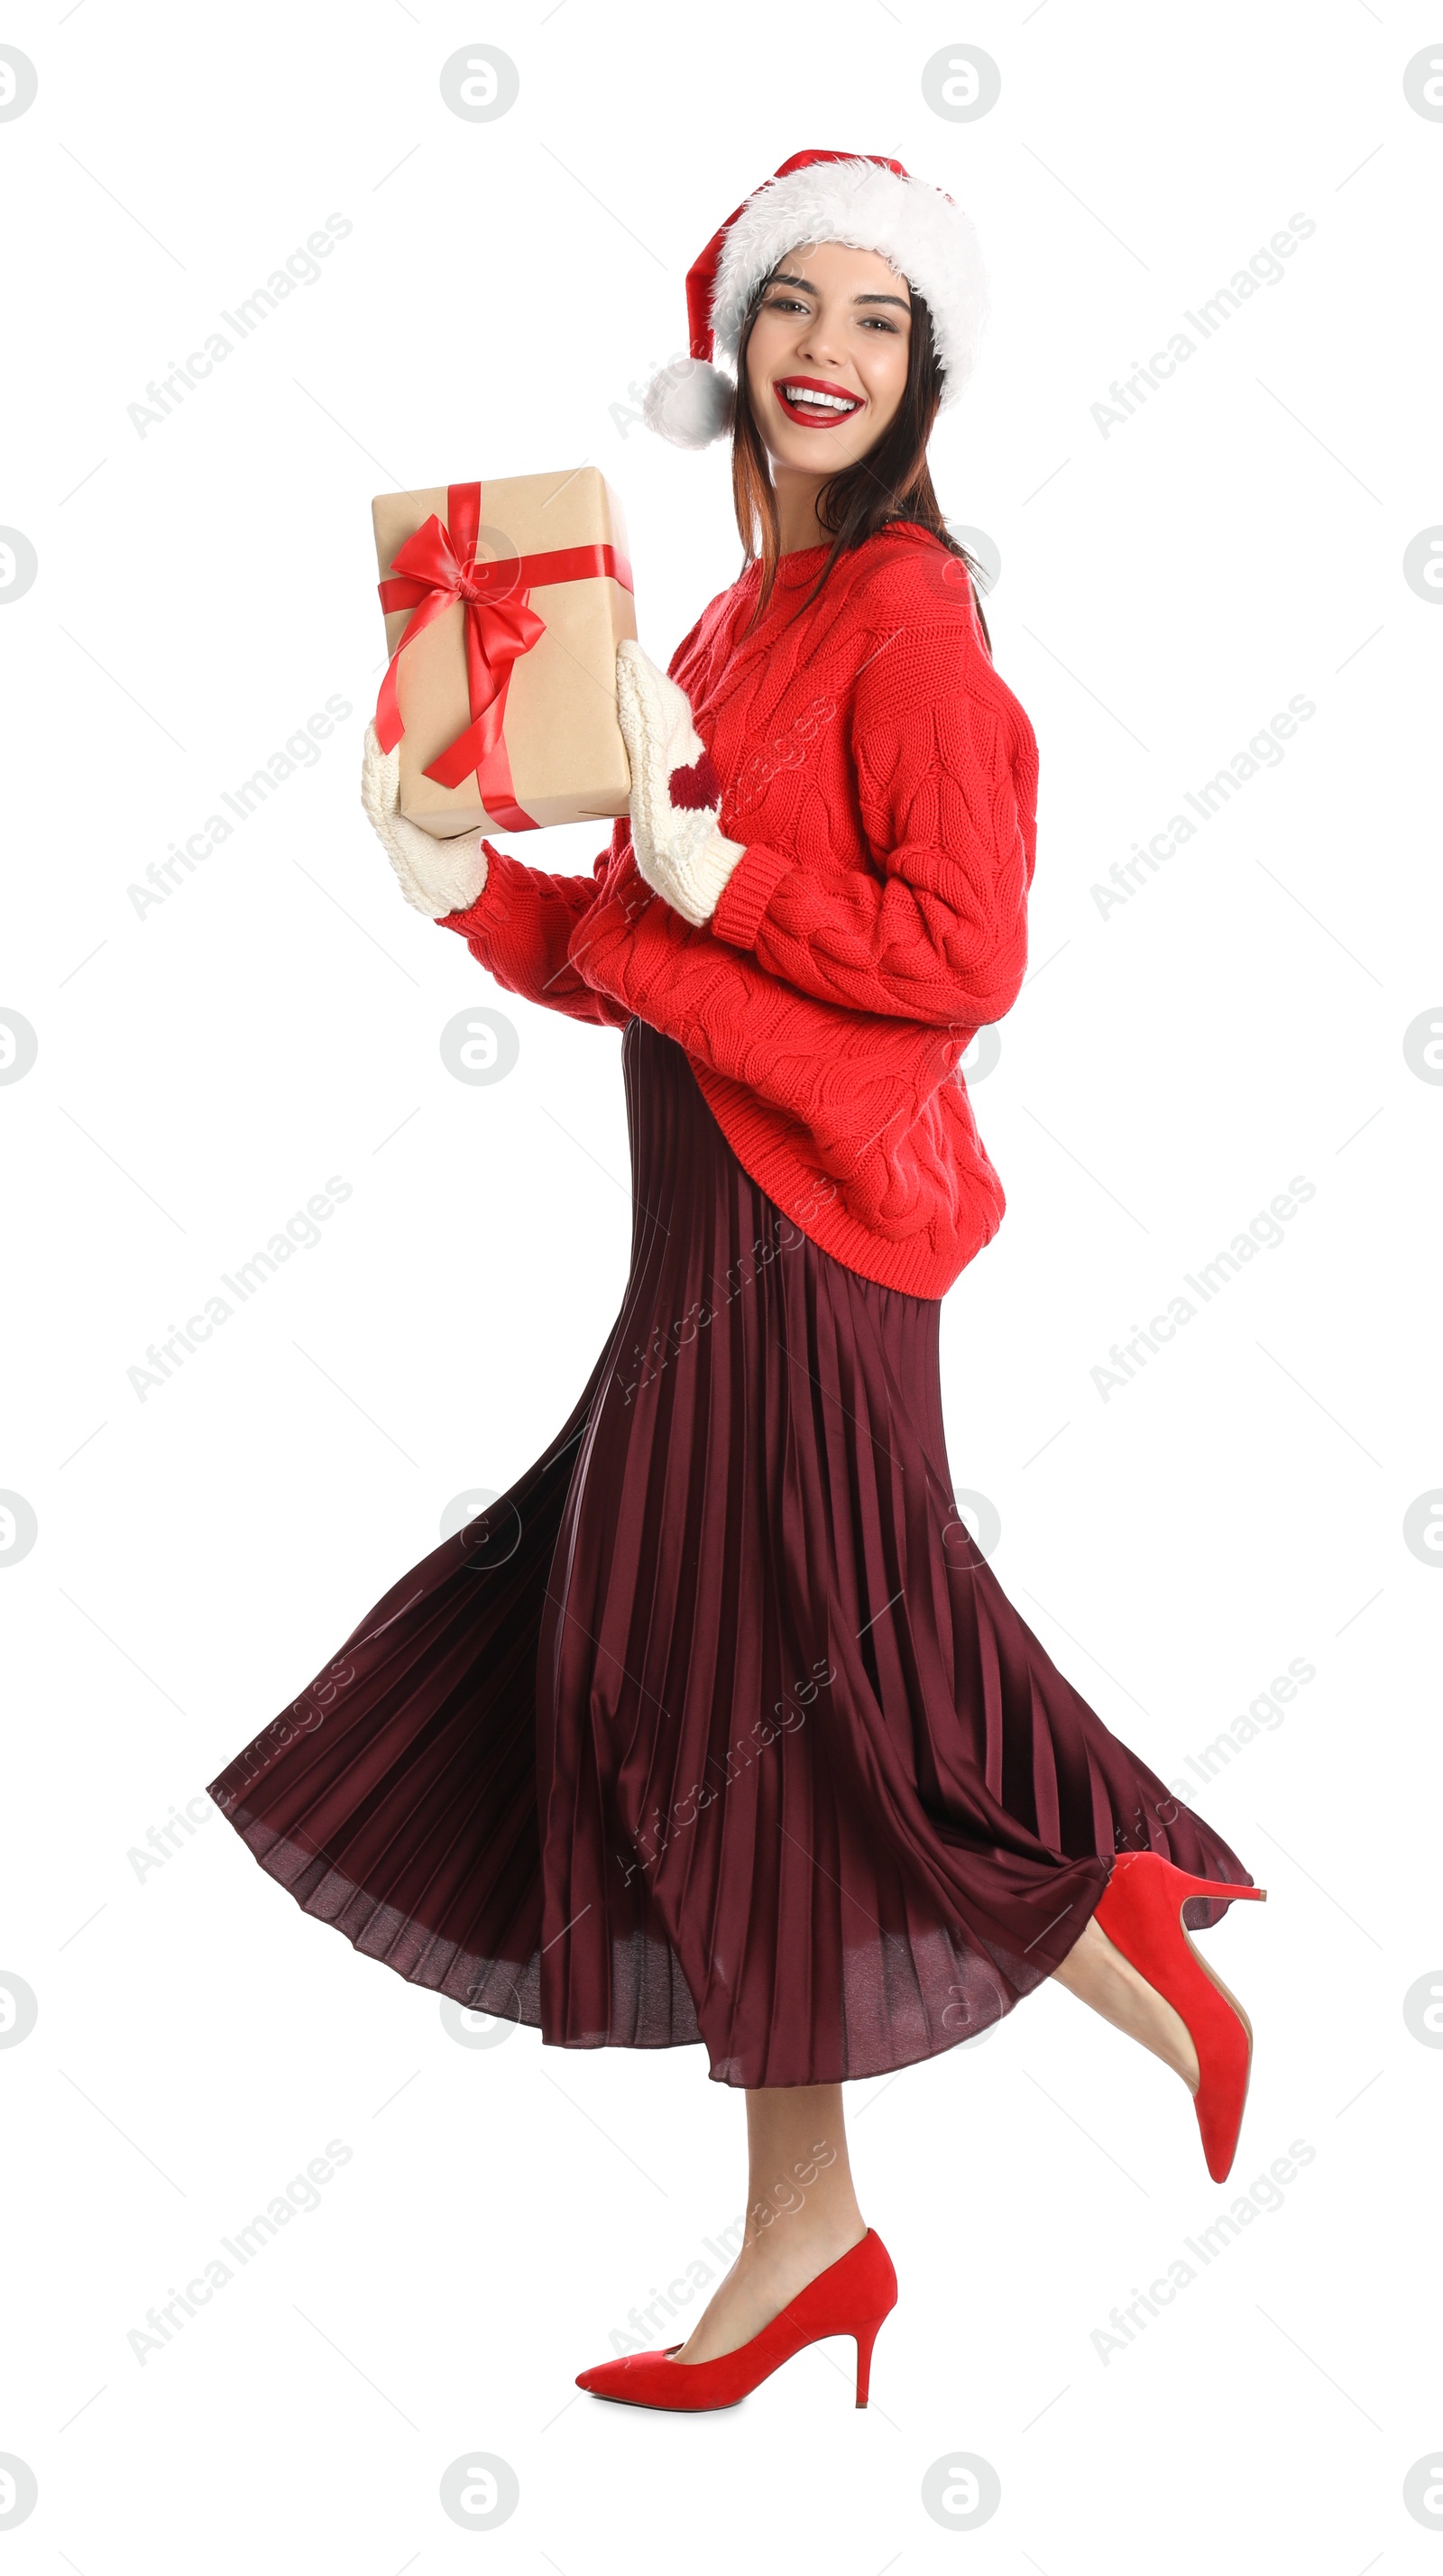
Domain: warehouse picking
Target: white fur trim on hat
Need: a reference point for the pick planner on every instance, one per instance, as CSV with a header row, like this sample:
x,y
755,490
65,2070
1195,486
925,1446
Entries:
x,y
917,230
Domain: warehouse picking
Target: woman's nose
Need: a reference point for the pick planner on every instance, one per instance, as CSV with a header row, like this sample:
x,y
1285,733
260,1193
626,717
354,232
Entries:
x,y
819,344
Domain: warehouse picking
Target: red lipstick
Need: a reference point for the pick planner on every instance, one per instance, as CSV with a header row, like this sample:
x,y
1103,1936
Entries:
x,y
839,403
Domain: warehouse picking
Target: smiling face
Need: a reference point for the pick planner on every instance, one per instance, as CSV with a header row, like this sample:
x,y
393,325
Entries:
x,y
827,356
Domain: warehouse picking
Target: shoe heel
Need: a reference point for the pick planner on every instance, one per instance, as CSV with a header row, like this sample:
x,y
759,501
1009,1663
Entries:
x,y
866,2336
1212,1887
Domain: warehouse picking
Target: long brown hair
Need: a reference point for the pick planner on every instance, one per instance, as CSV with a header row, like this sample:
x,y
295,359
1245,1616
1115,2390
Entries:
x,y
891,483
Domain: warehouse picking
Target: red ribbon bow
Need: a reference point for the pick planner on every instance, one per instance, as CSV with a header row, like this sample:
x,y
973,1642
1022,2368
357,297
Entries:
x,y
437,567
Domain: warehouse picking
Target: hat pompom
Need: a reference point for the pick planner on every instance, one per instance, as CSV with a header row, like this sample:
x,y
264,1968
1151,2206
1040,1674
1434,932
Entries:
x,y
689,403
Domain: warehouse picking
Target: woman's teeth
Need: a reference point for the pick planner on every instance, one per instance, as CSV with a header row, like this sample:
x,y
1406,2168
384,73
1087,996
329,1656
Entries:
x,y
804,396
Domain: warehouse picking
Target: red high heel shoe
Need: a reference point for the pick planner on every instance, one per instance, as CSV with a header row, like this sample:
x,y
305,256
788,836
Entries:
x,y
1141,1913
852,2297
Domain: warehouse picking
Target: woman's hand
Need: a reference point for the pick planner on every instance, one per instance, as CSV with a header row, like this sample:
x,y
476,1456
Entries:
x,y
437,877
675,792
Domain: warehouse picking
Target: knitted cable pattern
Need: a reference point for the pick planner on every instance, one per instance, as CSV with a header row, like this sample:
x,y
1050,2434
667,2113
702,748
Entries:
x,y
883,779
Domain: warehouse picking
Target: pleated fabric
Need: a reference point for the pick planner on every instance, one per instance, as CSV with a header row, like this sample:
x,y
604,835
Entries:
x,y
717,1726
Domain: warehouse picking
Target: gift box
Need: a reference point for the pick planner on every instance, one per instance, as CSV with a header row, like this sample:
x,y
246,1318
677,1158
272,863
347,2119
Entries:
x,y
505,603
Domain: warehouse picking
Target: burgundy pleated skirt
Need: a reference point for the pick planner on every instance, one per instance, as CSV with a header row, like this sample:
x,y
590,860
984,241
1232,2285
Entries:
x,y
717,1726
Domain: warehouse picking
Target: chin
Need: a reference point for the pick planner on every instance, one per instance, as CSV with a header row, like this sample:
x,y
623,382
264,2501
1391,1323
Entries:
x,y
813,451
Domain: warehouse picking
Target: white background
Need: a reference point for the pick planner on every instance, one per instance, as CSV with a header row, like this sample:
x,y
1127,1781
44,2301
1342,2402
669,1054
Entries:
x,y
205,1067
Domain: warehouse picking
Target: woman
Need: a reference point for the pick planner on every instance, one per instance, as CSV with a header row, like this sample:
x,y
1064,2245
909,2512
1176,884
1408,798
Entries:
x,y
718,1725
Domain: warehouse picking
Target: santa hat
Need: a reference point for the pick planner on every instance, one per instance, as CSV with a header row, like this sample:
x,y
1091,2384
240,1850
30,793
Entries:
x,y
861,199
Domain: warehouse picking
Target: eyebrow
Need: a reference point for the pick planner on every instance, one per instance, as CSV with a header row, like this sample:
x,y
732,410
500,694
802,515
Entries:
x,y
784,277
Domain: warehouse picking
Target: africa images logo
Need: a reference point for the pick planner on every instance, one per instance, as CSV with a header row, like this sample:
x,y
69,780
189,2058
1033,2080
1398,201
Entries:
x,y
165,394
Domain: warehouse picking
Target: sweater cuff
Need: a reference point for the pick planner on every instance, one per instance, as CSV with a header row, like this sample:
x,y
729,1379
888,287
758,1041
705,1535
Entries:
x,y
747,892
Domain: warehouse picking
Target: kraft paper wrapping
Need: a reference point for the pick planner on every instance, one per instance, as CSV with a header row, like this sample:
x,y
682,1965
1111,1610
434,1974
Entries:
x,y
562,740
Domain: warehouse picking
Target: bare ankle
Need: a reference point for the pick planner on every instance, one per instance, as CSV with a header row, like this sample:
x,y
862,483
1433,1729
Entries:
x,y
804,2231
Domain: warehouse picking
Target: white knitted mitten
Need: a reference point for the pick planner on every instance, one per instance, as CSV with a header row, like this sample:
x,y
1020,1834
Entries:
x,y
435,876
675,792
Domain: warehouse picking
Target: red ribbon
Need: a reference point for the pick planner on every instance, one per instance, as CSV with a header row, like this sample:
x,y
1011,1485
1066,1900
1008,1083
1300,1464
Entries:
x,y
437,567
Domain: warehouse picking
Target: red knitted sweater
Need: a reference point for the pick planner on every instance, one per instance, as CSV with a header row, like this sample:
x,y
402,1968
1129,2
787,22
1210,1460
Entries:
x,y
884,781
